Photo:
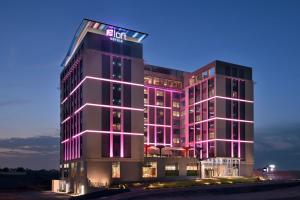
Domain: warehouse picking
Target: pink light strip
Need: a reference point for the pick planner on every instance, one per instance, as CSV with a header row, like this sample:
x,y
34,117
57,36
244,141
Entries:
x,y
103,106
154,106
155,144
107,132
100,79
65,141
159,125
225,140
227,119
163,89
220,97
109,106
65,120
235,99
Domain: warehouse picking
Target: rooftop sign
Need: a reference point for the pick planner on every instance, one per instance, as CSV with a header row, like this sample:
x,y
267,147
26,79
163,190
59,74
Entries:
x,y
114,33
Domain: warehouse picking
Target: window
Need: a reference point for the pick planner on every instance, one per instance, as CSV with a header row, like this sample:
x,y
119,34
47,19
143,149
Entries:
x,y
176,104
176,114
170,167
150,170
176,140
116,68
191,167
116,120
117,94
115,170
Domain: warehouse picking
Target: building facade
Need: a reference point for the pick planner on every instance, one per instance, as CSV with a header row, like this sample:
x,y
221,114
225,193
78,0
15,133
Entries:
x,y
123,120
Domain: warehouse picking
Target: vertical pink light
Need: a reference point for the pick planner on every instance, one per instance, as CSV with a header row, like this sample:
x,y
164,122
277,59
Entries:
x,y
231,123
193,105
64,148
186,107
155,110
122,118
111,153
207,113
165,104
171,120
239,123
78,153
122,135
148,115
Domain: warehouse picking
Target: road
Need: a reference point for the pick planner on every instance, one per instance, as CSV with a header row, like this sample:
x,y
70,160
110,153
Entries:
x,y
280,191
31,195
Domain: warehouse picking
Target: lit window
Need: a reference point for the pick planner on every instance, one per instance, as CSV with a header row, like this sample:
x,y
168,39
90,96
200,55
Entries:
x,y
148,80
159,93
170,167
159,103
176,114
116,170
191,167
150,170
176,140
176,104
156,81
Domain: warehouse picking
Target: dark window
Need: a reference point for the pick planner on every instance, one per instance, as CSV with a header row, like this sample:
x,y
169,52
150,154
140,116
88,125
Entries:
x,y
151,96
105,119
116,48
241,73
191,134
242,110
127,95
234,72
126,50
168,116
151,115
168,137
105,66
228,87
151,134
168,97
105,45
242,131
116,145
127,70
242,90
105,145
228,71
127,146
235,109
228,129
235,128
127,121
105,93
160,135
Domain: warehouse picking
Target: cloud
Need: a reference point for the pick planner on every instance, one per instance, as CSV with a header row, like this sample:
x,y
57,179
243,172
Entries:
x,y
40,152
278,144
13,102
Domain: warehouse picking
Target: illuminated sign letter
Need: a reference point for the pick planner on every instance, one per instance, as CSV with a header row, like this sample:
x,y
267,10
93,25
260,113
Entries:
x,y
110,32
119,36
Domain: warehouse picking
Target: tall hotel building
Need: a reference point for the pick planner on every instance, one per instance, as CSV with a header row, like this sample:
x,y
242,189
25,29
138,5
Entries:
x,y
123,120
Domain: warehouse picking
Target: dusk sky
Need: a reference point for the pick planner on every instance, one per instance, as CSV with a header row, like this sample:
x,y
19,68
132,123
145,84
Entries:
x,y
35,36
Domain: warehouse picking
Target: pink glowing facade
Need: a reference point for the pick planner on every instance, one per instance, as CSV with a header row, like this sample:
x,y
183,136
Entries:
x,y
124,120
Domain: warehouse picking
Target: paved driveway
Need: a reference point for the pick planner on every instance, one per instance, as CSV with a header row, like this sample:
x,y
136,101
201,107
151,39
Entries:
x,y
31,195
